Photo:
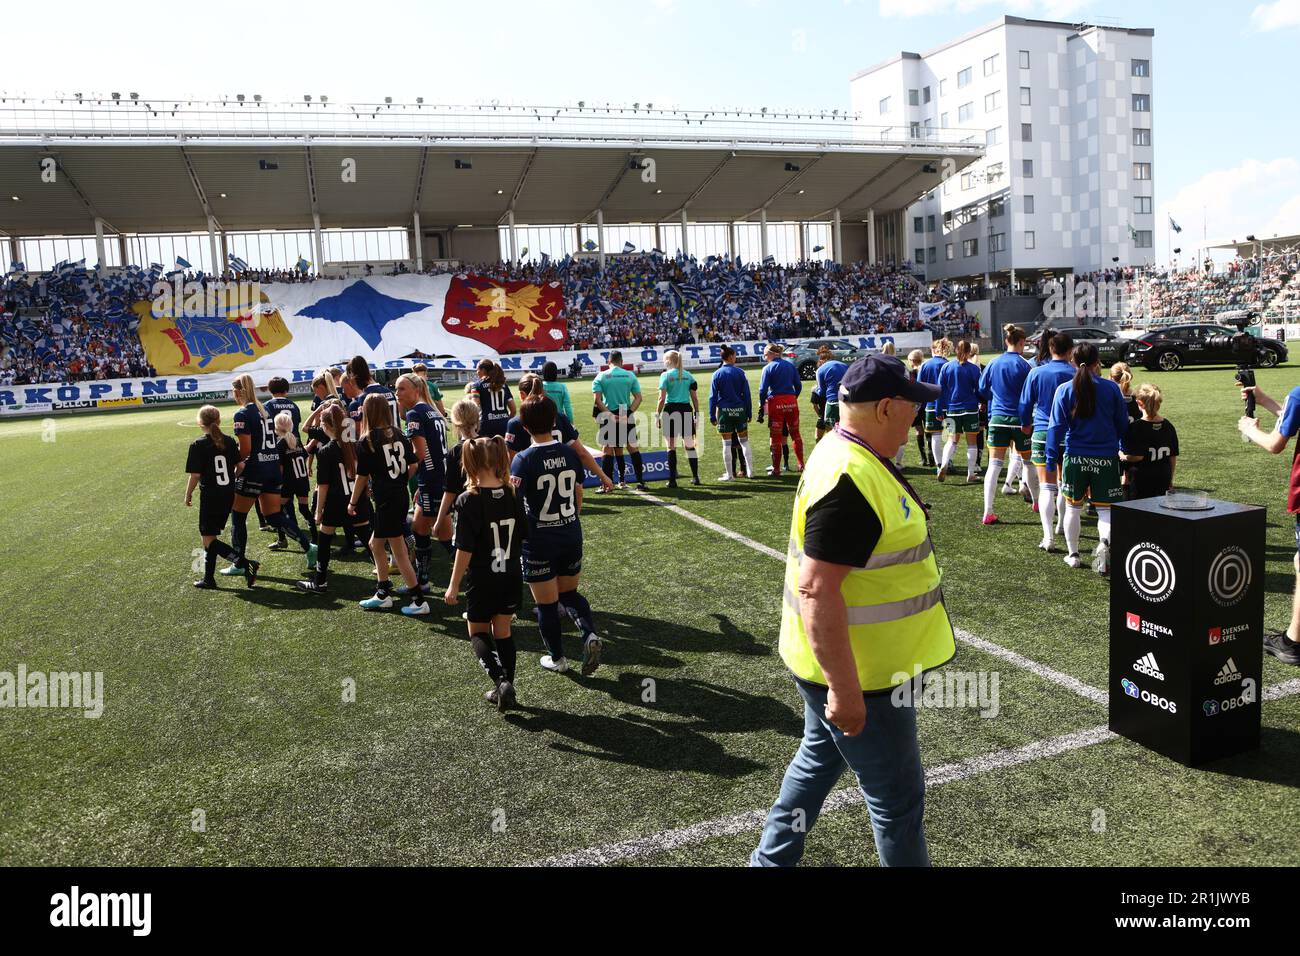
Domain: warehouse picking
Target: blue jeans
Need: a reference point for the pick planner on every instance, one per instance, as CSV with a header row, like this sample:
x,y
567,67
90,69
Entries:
x,y
887,761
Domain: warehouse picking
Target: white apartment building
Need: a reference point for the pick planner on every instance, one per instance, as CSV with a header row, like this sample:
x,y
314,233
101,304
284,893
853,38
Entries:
x,y
1067,183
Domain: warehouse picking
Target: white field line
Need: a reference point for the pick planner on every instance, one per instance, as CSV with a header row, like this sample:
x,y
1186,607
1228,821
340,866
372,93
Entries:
x,y
1072,684
848,797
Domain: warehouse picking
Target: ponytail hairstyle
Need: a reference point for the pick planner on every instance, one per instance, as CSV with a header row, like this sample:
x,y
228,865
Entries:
x,y
497,377
417,382
1150,398
284,428
333,422
941,347
359,369
915,358
888,349
326,380
1121,376
484,368
485,454
376,417
531,384
210,422
244,387
963,350
1014,334
465,417
1085,389
673,360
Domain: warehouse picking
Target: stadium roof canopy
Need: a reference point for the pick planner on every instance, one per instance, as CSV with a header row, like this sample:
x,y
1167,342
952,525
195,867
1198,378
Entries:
x,y
165,166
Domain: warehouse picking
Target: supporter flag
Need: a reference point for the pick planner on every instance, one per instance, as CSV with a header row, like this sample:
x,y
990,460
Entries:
x,y
1174,226
589,245
818,248
657,252
236,263
1132,233
628,247
769,260
17,267
182,263
930,311
303,264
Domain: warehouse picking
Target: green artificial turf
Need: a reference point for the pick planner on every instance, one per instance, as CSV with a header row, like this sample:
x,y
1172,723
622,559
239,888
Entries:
x,y
232,703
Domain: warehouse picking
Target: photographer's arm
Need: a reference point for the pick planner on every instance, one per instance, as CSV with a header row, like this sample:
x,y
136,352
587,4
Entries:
x,y
1272,442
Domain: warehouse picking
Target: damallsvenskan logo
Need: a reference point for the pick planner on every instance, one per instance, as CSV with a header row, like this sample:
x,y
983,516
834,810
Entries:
x,y
1150,572
1230,574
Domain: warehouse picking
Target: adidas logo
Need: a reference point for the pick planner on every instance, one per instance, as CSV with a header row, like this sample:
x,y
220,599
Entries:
x,y
1228,674
1147,665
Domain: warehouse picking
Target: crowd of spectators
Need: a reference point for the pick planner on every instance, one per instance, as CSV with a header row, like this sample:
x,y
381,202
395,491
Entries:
x,y
71,325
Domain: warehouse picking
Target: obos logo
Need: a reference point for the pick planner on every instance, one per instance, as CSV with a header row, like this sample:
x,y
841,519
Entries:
x,y
1230,574
1247,697
1155,700
1150,572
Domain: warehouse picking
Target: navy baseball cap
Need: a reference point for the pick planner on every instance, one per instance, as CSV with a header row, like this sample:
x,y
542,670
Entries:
x,y
876,376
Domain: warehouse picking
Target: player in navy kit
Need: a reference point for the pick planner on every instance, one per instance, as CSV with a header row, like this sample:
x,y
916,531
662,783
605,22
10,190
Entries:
x,y
495,403
336,471
517,437
385,461
365,384
464,419
211,463
295,484
549,477
490,529
427,431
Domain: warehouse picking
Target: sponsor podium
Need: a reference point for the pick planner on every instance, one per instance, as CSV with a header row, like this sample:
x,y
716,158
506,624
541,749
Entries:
x,y
1186,627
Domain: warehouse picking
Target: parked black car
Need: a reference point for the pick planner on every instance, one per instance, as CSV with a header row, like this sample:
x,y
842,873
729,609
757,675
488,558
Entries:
x,y
1111,348
1169,349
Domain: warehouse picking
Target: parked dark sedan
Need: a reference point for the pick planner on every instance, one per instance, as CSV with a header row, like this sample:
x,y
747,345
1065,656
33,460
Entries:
x,y
1111,348
1169,349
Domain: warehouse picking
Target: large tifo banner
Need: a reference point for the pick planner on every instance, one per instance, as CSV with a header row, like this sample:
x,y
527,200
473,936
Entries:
x,y
134,392
270,329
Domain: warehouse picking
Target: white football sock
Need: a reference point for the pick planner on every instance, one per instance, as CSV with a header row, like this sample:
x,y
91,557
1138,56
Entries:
x,y
1014,471
1073,516
948,450
1047,510
1103,524
1030,477
898,459
936,447
749,457
1060,510
726,458
991,485
972,460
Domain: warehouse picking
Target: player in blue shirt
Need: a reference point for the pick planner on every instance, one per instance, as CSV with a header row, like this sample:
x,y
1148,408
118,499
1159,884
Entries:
x,y
1053,371
940,350
549,476
778,398
363,380
959,400
427,431
1090,419
730,408
496,404
826,392
1000,386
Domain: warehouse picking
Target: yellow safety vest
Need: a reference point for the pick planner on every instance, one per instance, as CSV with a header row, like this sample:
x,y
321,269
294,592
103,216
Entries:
x,y
898,626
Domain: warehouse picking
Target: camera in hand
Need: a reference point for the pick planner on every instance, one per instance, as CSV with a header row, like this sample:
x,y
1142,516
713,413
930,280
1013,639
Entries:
x,y
1246,379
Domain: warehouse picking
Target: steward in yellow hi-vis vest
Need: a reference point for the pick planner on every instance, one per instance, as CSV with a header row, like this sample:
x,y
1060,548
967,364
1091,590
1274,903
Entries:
x,y
898,626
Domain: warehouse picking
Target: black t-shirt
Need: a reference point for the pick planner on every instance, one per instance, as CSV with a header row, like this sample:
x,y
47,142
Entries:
x,y
293,461
842,527
385,460
455,479
331,470
216,469
1134,410
491,525
1157,442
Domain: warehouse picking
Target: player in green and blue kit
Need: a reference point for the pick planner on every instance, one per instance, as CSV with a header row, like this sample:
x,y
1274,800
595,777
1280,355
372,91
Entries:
x,y
940,350
1000,387
959,399
1053,371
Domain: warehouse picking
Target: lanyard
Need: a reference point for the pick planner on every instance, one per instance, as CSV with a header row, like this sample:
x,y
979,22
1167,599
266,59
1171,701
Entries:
x,y
848,436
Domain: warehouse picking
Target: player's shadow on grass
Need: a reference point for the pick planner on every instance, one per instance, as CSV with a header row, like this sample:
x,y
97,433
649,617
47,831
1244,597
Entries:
x,y
664,745
1276,761
714,709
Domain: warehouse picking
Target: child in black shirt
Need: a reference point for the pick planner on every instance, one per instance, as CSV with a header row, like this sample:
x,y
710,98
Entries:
x,y
1150,451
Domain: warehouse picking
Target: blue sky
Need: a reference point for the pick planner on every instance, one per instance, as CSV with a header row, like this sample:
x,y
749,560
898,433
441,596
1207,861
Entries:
x,y
1225,135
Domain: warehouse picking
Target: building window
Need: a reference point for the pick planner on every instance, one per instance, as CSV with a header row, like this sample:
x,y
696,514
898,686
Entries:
x,y
918,224
943,120
1142,171
1024,59
931,255
916,130
1026,132
913,97
991,102
991,65
947,251
1030,241
943,87
1141,137
994,171
998,242
925,95
970,247
1027,168
1143,240
1142,205
965,112
929,223
993,136
997,207
1141,67
884,106
1025,96
963,78
1029,205
966,181
947,221
1141,103
919,257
